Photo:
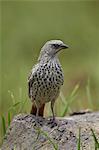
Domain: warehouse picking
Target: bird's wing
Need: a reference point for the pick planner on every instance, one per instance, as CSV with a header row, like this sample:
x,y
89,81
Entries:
x,y
31,78
30,82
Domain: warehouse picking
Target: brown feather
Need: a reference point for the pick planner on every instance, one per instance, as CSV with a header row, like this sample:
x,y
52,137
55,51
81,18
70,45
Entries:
x,y
34,110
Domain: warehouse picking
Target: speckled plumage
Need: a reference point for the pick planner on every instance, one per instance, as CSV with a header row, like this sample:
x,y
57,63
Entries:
x,y
46,77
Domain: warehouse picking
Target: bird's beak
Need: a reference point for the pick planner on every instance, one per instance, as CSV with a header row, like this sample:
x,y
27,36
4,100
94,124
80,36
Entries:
x,y
64,46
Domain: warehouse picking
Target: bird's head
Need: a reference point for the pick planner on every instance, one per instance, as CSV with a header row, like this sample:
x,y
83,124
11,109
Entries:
x,y
51,48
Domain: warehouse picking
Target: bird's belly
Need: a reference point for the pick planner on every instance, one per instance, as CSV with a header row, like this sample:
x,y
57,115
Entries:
x,y
50,93
46,92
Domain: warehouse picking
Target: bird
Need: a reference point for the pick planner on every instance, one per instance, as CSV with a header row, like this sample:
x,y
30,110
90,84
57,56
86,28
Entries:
x,y
46,78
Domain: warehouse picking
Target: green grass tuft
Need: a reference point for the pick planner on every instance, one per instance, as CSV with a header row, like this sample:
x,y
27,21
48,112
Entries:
x,y
69,100
55,146
95,140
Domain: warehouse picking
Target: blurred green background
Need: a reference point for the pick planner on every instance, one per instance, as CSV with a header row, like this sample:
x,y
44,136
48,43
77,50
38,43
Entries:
x,y
27,25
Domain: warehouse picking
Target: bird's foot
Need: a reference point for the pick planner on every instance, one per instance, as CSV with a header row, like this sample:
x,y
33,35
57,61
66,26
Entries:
x,y
53,122
38,121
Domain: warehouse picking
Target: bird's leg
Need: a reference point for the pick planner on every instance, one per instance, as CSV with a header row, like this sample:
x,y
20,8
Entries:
x,y
33,109
53,121
37,116
37,112
37,122
52,109
41,110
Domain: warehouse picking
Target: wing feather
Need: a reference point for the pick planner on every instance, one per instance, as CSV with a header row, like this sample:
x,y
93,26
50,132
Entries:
x,y
31,80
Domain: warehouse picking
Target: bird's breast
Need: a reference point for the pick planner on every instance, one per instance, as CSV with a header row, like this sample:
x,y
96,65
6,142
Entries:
x,y
52,73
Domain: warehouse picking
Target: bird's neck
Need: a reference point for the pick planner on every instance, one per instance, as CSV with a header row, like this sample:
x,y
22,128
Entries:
x,y
46,59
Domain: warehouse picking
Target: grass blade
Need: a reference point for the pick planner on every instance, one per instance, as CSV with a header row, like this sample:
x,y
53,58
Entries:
x,y
3,125
95,139
64,101
12,96
9,118
88,92
22,106
79,140
17,103
13,106
74,90
67,107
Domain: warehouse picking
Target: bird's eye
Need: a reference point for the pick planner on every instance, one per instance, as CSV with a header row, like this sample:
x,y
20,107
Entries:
x,y
56,46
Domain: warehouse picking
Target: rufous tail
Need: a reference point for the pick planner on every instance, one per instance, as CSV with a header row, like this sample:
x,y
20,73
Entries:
x,y
34,110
